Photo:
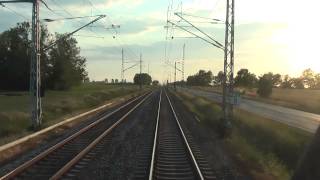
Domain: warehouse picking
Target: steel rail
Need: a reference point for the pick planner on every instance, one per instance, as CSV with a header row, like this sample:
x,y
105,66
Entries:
x,y
155,140
185,140
77,158
44,154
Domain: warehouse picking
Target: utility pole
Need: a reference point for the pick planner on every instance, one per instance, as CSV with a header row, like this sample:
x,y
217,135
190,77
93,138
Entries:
x,y
35,75
228,66
183,56
175,75
228,49
35,79
140,79
122,65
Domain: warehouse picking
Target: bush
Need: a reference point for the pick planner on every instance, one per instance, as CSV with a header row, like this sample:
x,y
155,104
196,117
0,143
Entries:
x,y
265,86
13,122
256,141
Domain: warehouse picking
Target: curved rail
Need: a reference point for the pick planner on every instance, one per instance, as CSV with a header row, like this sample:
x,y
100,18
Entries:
x,y
24,167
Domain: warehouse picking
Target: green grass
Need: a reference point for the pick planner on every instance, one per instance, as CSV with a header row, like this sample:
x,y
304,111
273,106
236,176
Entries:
x,y
302,99
265,146
14,110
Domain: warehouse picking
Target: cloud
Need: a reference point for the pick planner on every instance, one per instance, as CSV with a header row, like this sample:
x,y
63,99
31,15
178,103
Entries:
x,y
126,3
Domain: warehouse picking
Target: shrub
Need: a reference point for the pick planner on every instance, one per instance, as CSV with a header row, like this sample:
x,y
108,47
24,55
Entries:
x,y
265,86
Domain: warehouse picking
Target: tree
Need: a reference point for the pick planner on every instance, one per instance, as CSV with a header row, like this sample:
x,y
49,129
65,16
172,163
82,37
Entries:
x,y
202,78
265,85
68,67
308,77
15,58
15,55
116,81
61,66
276,80
155,82
245,79
286,82
297,83
143,78
317,81
217,80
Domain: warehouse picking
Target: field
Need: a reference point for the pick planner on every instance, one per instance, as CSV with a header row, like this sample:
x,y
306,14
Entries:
x,y
14,106
302,99
265,148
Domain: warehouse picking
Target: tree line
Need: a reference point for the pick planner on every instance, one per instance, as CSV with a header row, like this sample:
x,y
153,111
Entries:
x,y
143,78
308,79
61,66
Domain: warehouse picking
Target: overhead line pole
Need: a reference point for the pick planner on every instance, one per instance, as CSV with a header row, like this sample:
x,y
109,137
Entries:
x,y
140,79
35,75
35,79
175,75
183,58
228,80
174,67
228,48
122,65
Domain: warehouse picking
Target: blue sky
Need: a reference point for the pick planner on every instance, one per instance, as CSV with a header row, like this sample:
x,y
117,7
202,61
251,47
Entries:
x,y
277,36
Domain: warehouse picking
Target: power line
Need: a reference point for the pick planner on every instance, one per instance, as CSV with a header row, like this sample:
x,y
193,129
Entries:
x,y
69,14
15,12
118,39
58,5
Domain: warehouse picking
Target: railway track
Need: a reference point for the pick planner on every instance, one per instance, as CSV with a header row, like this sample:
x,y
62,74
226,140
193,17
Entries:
x,y
174,155
69,156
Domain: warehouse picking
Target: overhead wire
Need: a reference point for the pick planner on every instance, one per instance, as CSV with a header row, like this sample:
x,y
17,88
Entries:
x,y
130,52
68,13
15,12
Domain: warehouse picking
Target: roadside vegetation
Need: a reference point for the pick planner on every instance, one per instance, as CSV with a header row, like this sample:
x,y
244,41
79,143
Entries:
x,y
65,86
301,99
302,93
57,105
263,147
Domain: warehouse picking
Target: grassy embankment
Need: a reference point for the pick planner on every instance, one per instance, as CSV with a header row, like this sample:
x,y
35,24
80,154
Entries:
x,y
265,148
302,99
57,105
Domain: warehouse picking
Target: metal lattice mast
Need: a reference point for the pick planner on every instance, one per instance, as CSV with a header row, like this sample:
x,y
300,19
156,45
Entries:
x,y
183,58
35,81
122,66
140,79
228,63
175,75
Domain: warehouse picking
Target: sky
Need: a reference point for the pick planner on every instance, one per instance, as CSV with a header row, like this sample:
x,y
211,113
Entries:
x,y
270,35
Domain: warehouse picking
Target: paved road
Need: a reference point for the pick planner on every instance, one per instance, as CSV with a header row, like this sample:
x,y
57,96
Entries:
x,y
300,119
